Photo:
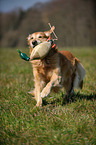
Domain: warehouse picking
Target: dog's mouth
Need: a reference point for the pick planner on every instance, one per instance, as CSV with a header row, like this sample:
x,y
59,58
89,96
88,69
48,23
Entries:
x,y
34,43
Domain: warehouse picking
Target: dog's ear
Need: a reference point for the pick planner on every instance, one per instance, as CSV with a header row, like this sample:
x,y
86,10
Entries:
x,y
28,38
48,33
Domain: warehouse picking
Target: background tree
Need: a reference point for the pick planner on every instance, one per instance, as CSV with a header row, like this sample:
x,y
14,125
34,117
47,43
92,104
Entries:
x,y
75,23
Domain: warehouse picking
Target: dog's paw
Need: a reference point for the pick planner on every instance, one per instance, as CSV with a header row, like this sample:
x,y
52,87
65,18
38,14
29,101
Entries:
x,y
44,93
39,104
58,82
31,93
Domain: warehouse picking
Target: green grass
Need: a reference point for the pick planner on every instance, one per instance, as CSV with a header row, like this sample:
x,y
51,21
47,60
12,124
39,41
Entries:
x,y
60,121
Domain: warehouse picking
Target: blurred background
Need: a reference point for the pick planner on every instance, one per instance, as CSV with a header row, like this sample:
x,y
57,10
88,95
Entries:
x,y
75,21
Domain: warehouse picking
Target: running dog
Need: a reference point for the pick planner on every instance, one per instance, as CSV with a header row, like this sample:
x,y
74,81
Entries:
x,y
58,69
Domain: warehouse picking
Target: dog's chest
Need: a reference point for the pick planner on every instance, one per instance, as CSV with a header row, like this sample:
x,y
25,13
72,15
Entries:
x,y
46,67
46,72
43,69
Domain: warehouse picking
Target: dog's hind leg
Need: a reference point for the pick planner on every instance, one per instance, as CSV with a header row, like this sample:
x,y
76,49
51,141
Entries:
x,y
69,84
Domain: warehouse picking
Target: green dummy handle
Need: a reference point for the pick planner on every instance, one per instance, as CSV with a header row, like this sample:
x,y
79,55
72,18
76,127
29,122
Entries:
x,y
23,55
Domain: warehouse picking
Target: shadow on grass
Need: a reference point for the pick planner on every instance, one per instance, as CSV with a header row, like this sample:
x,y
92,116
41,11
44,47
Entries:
x,y
69,99
74,98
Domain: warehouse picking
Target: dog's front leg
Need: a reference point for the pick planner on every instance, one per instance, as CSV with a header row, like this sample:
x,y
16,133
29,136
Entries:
x,y
37,93
37,88
55,81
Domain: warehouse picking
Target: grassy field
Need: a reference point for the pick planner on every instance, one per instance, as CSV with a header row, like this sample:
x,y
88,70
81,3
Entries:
x,y
60,121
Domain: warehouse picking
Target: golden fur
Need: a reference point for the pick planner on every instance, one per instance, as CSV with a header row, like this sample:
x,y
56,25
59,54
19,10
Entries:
x,y
58,69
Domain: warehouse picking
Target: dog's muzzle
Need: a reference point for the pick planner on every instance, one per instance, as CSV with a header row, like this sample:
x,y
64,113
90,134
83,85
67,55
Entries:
x,y
34,43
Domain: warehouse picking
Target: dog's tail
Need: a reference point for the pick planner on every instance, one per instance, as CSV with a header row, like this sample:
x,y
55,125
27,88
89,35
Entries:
x,y
80,74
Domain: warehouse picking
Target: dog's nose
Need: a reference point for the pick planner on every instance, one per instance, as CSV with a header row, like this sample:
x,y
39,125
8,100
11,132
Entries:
x,y
34,42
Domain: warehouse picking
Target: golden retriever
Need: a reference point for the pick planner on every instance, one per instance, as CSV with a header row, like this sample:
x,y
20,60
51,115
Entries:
x,y
58,69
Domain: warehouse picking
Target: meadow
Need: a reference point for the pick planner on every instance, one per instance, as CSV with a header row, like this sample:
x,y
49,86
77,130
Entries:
x,y
60,121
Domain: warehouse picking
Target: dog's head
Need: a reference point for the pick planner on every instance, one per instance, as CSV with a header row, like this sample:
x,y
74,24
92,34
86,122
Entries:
x,y
38,37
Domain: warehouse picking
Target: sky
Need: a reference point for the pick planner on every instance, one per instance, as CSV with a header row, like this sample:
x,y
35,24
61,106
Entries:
x,y
9,5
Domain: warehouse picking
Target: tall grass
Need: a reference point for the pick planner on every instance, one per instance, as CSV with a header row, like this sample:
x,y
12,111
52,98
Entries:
x,y
60,121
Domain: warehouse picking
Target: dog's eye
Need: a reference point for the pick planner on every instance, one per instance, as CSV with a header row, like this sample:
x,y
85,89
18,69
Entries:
x,y
40,36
